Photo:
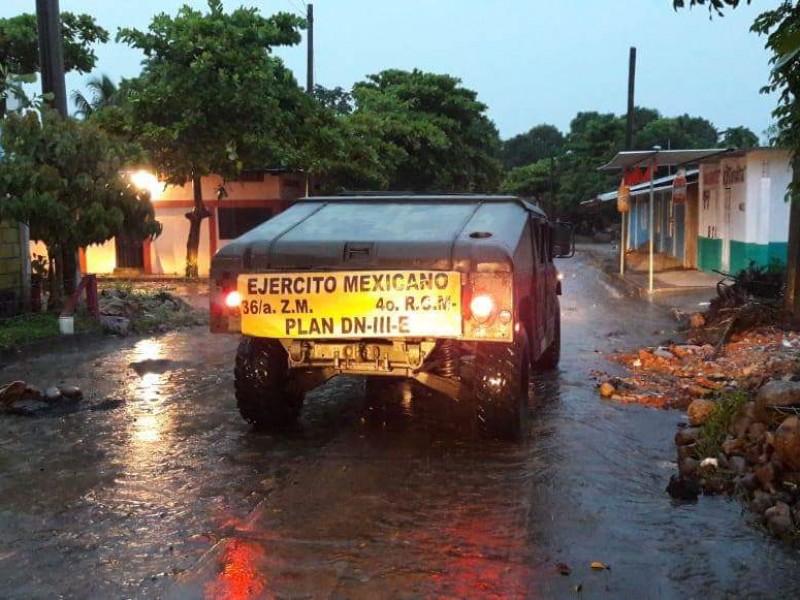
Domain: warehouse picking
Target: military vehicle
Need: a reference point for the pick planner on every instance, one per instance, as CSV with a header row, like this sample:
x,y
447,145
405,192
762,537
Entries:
x,y
458,292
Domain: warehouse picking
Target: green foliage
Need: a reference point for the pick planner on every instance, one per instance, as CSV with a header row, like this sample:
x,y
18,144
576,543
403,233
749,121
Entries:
x,y
63,178
211,98
441,137
336,99
679,132
714,6
19,49
532,180
542,141
739,137
24,329
104,93
19,44
714,430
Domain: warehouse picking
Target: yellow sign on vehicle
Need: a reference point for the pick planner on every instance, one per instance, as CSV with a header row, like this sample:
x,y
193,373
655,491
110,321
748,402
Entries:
x,y
351,304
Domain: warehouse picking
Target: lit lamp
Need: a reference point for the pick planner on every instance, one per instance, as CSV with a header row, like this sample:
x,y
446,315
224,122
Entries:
x,y
145,180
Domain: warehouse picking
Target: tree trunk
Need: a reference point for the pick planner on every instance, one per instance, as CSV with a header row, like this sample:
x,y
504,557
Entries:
x,y
793,266
196,216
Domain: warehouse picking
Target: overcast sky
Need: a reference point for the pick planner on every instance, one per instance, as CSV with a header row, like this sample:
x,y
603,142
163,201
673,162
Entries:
x,y
531,61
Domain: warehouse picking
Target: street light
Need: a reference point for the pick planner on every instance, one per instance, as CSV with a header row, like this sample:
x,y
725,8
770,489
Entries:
x,y
147,181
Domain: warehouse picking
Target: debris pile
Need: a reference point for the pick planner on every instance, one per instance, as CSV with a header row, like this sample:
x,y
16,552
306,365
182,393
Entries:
x,y
673,375
750,448
123,311
23,399
742,401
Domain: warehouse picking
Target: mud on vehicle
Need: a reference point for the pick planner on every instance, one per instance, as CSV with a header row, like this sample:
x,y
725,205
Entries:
x,y
458,292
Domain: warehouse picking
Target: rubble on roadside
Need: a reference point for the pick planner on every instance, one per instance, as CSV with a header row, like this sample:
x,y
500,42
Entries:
x,y
124,311
738,378
24,399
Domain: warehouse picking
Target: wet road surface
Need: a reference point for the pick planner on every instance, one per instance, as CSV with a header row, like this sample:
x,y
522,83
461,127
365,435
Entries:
x,y
167,493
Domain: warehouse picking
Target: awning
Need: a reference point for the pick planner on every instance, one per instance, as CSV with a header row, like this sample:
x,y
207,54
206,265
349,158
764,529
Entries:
x,y
659,185
662,158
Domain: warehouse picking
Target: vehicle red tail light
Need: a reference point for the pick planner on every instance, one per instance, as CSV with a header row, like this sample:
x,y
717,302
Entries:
x,y
482,307
233,299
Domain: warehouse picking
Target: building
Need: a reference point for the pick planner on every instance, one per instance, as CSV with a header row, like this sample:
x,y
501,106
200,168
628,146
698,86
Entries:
x,y
15,264
734,212
252,199
744,215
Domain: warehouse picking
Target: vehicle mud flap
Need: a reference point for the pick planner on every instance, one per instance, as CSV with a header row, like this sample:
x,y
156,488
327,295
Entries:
x,y
264,394
500,386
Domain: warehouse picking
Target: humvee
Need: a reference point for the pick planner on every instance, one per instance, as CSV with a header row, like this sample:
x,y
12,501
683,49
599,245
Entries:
x,y
458,292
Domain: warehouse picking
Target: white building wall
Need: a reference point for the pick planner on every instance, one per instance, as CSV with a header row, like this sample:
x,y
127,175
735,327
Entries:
x,y
101,259
168,251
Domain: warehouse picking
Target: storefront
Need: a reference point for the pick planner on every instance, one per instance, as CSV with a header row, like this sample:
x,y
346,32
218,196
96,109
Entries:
x,y
744,215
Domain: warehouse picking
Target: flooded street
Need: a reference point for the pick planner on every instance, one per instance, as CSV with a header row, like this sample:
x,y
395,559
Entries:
x,y
159,489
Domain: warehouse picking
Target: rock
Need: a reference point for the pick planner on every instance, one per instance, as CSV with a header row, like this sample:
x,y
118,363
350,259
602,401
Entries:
x,y
737,464
766,475
71,392
787,443
115,324
683,488
687,451
740,426
780,525
12,392
663,353
733,447
773,396
761,502
697,320
688,467
28,408
757,432
779,519
607,390
748,482
52,394
699,411
687,435
32,393
722,461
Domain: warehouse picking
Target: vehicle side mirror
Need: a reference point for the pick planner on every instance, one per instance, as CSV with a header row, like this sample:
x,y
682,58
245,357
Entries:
x,y
563,239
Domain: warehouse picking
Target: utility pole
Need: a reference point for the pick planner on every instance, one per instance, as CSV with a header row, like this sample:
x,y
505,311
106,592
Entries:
x,y
310,62
51,53
623,232
309,69
631,85
51,67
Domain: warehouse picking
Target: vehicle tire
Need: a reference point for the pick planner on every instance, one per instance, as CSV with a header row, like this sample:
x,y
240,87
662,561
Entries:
x,y
263,391
552,356
501,380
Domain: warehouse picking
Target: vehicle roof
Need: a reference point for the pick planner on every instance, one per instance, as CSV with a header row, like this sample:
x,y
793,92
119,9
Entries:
x,y
373,197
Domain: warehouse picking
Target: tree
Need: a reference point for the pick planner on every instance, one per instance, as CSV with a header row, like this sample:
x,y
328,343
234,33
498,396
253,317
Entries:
x,y
678,132
336,99
534,180
540,142
19,46
780,25
212,99
63,178
443,138
739,137
104,93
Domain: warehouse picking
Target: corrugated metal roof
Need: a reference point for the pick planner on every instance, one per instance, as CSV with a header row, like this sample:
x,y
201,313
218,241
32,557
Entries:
x,y
662,158
660,184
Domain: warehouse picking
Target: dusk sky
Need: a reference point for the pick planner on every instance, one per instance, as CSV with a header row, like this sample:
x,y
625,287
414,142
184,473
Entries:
x,y
531,61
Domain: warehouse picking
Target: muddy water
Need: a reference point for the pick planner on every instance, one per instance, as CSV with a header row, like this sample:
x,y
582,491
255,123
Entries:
x,y
392,495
